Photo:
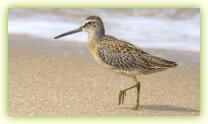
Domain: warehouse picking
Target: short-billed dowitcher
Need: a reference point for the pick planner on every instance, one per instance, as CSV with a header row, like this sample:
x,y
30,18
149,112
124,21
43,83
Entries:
x,y
119,55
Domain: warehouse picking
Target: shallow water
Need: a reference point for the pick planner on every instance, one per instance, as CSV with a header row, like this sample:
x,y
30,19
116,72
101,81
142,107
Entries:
x,y
148,28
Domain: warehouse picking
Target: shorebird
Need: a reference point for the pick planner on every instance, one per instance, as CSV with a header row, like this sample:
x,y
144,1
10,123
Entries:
x,y
119,55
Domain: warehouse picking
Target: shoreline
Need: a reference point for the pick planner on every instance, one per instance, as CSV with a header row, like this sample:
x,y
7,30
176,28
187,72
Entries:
x,y
62,48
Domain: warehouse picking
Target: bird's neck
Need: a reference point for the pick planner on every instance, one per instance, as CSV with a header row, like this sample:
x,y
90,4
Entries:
x,y
95,35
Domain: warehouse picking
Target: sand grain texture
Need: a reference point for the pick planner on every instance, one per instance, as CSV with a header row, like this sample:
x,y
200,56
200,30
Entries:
x,y
60,78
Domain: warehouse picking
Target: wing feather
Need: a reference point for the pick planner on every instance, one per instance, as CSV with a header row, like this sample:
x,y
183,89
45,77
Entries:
x,y
118,54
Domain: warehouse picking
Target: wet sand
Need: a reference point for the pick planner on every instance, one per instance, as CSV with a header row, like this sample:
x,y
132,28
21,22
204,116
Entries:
x,y
51,77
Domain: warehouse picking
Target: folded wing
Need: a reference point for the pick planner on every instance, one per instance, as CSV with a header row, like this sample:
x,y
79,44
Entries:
x,y
119,54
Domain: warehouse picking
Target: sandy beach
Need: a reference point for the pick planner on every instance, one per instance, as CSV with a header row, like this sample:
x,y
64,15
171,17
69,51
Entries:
x,y
54,77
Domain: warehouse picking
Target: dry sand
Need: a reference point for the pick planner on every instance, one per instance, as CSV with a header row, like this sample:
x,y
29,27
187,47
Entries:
x,y
61,78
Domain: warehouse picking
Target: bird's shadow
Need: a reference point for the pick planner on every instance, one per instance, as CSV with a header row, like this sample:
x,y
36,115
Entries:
x,y
165,108
168,108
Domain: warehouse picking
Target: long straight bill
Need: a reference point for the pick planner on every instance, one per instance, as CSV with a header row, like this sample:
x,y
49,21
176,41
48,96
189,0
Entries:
x,y
68,33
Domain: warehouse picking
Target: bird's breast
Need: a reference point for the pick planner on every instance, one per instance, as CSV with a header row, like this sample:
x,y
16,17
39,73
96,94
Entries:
x,y
93,50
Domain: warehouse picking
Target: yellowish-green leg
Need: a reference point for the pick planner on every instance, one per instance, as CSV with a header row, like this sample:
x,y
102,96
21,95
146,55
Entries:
x,y
138,94
122,93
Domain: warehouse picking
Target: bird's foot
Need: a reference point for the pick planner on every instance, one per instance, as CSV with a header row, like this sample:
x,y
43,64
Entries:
x,y
136,107
122,94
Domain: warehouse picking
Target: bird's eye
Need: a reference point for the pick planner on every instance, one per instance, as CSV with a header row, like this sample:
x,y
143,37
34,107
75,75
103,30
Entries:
x,y
89,23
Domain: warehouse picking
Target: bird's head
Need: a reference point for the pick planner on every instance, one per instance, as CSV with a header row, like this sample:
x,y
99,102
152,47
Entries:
x,y
92,24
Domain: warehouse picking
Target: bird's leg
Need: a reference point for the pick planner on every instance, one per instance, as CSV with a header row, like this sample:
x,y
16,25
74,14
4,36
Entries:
x,y
122,93
138,93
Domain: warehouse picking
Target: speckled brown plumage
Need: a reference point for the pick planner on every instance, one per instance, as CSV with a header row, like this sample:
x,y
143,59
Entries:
x,y
126,58
119,55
